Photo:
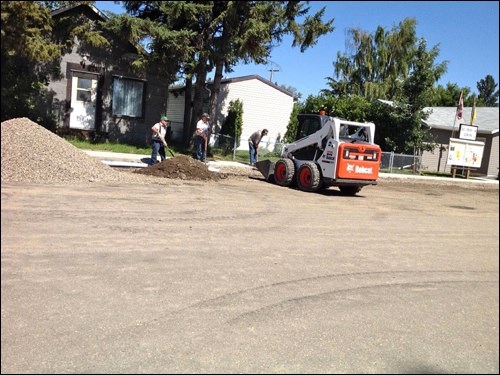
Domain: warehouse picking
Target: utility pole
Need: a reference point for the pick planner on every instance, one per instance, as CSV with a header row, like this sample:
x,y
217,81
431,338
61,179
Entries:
x,y
272,70
273,67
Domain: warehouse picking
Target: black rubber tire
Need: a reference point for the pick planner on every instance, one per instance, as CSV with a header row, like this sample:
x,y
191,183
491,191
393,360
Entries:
x,y
350,190
284,171
309,177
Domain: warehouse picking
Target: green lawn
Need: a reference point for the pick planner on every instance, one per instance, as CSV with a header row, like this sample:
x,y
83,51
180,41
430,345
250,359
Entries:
x,y
107,146
214,154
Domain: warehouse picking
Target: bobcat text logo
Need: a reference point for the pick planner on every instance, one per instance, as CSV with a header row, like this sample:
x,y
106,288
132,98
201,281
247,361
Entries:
x,y
359,169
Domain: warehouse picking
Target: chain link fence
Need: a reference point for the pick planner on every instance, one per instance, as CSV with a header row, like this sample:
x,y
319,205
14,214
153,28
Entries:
x,y
390,162
224,143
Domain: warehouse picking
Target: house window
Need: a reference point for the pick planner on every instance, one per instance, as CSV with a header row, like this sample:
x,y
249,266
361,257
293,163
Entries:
x,y
84,90
128,97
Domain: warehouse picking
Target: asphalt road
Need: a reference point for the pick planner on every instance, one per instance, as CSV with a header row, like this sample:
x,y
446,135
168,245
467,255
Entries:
x,y
242,276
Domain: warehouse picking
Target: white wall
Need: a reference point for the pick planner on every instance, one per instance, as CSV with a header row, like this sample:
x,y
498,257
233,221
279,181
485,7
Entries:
x,y
263,107
175,113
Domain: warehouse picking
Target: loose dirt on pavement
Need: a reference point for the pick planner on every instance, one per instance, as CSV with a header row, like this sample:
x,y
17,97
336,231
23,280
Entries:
x,y
182,167
118,272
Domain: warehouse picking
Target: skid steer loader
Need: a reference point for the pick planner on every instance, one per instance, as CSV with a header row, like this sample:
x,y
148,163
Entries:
x,y
328,151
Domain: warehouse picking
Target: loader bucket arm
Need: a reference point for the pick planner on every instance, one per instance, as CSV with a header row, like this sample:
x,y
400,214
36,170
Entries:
x,y
266,168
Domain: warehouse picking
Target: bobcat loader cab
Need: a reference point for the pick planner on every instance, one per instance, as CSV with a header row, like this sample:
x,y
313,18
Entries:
x,y
328,151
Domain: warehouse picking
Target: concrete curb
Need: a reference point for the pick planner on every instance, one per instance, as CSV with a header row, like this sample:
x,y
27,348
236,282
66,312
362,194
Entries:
x,y
115,159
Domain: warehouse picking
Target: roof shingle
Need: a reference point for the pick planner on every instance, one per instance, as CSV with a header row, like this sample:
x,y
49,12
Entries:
x,y
444,118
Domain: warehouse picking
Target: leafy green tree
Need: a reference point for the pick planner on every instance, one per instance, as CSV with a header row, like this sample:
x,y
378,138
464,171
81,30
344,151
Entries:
x,y
416,90
448,96
233,123
247,31
314,103
194,37
395,66
172,42
399,124
26,31
391,128
418,86
353,108
33,43
376,65
251,29
487,94
291,129
163,33
29,59
292,90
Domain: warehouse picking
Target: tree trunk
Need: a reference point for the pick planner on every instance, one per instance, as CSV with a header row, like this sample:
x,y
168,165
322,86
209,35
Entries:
x,y
188,104
215,94
199,95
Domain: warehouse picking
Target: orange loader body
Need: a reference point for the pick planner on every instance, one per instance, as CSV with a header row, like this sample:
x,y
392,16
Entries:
x,y
328,151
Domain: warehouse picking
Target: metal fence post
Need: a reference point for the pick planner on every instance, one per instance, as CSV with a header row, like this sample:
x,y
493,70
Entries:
x,y
234,149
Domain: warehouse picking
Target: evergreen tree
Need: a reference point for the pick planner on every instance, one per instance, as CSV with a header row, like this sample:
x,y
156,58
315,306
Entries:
x,y
293,124
487,94
233,123
194,37
33,43
29,59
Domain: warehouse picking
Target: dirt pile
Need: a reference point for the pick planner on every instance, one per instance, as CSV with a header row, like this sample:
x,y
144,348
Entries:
x,y
33,154
182,167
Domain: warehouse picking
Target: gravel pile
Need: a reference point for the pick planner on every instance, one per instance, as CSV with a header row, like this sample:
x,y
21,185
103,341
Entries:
x,y
33,154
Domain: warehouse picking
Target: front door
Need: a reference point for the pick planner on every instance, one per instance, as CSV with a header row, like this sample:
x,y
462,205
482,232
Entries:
x,y
83,100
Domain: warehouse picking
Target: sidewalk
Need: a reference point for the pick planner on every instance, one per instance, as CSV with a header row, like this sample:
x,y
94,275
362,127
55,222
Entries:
x,y
115,159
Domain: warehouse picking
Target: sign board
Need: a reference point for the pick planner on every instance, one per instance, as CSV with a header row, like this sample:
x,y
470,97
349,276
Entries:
x,y
468,132
465,153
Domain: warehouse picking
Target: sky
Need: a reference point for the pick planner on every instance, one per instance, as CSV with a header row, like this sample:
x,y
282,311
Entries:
x,y
466,33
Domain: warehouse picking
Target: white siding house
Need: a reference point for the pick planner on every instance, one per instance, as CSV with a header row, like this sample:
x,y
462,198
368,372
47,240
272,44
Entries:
x,y
265,105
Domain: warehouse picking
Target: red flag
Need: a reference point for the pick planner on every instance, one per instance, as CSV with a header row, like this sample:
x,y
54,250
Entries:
x,y
460,106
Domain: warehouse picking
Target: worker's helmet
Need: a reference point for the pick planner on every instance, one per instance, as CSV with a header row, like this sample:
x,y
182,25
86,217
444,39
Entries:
x,y
164,118
205,115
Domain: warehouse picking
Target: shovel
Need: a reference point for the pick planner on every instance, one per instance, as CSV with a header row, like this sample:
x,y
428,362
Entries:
x,y
166,146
